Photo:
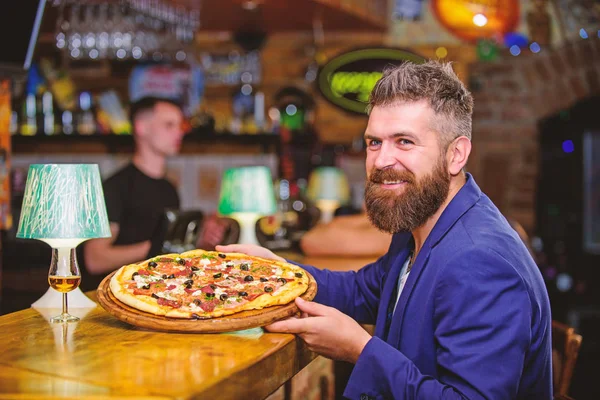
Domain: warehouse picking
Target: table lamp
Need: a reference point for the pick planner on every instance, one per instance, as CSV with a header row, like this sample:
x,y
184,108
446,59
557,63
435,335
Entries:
x,y
247,194
328,189
63,205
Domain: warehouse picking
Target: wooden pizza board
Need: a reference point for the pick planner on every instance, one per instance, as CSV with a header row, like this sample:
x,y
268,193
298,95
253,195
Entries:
x,y
240,321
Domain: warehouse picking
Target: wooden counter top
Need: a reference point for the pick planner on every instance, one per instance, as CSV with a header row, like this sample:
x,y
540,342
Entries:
x,y
101,357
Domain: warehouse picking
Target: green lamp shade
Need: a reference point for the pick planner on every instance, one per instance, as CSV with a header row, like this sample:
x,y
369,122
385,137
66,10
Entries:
x,y
247,190
328,183
63,201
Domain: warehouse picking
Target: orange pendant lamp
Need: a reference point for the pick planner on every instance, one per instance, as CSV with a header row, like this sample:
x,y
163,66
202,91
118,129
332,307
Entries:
x,y
472,20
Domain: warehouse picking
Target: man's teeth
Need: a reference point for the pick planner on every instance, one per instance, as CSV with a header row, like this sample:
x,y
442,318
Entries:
x,y
392,182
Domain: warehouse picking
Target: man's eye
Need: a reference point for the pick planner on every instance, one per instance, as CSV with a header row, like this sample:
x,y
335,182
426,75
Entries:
x,y
373,142
405,142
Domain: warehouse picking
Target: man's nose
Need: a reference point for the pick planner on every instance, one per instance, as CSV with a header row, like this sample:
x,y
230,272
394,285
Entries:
x,y
385,158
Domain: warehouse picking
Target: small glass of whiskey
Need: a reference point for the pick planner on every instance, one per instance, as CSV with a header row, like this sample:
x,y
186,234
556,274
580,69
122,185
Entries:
x,y
64,276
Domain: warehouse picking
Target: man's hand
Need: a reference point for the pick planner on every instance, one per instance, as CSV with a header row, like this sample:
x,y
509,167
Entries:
x,y
326,331
103,256
251,250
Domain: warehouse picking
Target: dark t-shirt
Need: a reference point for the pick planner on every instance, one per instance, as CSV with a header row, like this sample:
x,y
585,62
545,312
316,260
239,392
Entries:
x,y
137,203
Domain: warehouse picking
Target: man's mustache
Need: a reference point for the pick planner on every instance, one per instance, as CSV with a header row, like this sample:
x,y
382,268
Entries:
x,y
381,175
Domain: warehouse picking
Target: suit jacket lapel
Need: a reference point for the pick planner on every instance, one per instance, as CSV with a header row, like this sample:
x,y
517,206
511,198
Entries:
x,y
413,277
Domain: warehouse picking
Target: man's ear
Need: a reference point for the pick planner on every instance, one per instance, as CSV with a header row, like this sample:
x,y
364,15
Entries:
x,y
458,154
139,127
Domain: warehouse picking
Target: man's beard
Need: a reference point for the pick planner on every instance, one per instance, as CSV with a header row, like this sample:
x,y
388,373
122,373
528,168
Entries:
x,y
420,199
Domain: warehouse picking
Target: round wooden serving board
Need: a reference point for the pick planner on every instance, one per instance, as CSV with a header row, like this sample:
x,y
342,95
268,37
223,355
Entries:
x,y
240,321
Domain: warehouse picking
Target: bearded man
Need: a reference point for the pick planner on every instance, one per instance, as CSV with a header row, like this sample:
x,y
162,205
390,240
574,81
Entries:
x,y
459,306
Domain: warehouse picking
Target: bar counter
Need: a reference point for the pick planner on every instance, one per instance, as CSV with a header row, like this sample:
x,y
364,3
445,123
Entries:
x,y
102,357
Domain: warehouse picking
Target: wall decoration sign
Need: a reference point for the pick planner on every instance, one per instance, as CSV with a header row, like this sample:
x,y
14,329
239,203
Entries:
x,y
182,84
472,20
347,80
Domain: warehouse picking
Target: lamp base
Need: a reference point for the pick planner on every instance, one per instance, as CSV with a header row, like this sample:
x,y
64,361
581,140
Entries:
x,y
327,208
247,222
53,299
326,216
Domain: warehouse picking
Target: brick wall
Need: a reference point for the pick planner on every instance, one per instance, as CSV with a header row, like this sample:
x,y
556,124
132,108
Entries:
x,y
511,96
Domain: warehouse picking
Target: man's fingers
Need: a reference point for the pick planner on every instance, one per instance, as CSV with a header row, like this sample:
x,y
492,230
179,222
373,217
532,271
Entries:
x,y
236,248
312,308
249,249
292,325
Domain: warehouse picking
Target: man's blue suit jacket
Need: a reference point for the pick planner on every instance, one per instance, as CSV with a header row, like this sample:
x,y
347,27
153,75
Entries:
x,y
473,320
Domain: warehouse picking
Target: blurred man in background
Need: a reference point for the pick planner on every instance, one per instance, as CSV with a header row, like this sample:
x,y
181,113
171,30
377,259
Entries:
x,y
138,195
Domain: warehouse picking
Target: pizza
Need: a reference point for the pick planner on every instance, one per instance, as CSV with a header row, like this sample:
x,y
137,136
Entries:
x,y
201,284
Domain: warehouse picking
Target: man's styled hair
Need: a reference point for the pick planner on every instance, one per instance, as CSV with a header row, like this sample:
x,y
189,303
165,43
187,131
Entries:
x,y
434,82
146,104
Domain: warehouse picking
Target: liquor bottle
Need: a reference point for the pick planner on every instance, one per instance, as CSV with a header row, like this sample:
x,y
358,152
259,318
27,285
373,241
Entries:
x,y
67,122
259,111
48,125
28,118
86,124
293,218
14,122
271,231
61,85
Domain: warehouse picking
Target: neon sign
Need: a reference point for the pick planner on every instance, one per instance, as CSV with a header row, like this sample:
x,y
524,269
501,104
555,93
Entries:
x,y
347,80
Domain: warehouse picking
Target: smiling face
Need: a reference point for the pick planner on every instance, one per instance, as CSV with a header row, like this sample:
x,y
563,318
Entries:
x,y
407,170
